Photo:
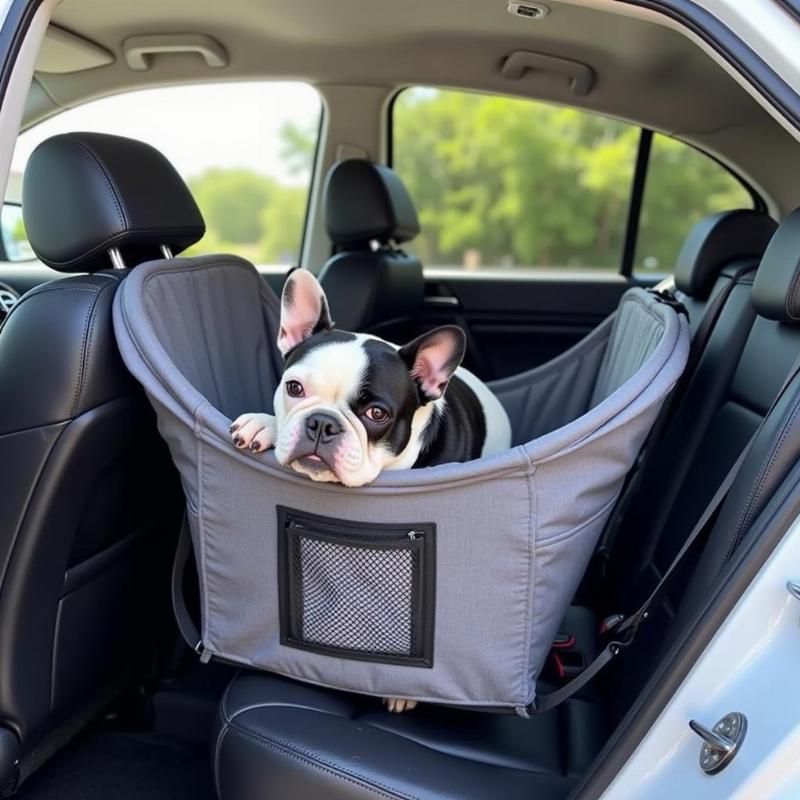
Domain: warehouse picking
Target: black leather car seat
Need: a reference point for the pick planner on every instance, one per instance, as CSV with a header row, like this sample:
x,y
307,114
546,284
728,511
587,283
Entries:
x,y
717,249
90,498
713,277
769,354
372,285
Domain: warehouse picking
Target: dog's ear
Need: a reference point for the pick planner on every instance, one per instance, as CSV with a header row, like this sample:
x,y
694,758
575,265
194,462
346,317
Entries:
x,y
304,310
433,358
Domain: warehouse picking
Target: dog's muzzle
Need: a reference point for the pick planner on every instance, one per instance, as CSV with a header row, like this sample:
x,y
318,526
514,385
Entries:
x,y
318,443
322,429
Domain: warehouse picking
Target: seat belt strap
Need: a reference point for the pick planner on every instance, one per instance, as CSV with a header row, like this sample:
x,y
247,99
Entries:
x,y
630,625
625,632
186,625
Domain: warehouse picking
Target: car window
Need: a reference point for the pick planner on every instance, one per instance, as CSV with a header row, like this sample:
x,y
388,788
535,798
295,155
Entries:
x,y
682,186
245,149
503,182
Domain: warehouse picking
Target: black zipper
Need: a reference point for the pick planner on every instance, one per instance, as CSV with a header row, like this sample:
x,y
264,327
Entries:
x,y
356,535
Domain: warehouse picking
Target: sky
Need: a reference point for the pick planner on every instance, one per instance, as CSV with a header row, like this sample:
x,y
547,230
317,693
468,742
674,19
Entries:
x,y
196,127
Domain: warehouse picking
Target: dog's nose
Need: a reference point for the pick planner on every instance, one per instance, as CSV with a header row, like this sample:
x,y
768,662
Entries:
x,y
322,428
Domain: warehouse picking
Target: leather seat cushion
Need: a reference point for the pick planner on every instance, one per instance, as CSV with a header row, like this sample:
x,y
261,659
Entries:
x,y
280,738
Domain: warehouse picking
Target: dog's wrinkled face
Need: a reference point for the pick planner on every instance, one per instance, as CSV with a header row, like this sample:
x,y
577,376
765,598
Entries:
x,y
350,405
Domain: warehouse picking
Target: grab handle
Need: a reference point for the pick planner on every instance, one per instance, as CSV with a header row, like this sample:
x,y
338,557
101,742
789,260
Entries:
x,y
140,49
581,77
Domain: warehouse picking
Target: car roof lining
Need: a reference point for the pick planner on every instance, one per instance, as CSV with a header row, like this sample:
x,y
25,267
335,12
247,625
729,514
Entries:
x,y
646,73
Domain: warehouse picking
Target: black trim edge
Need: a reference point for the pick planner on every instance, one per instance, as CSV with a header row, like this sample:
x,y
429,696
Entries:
x,y
635,202
311,183
791,7
15,27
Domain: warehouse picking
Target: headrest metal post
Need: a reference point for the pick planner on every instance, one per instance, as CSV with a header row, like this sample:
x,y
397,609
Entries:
x,y
117,261
166,251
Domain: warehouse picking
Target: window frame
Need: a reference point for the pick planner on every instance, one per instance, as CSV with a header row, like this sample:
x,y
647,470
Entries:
x,y
638,179
312,179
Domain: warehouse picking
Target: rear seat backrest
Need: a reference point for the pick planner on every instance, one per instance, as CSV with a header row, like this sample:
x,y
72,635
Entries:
x,y
772,351
730,239
769,355
719,259
371,284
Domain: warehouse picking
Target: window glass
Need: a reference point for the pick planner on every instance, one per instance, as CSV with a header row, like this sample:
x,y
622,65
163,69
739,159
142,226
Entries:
x,y
245,149
683,185
501,182
15,242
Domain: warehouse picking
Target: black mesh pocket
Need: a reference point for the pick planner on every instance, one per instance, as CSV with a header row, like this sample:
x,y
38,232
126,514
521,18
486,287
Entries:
x,y
355,589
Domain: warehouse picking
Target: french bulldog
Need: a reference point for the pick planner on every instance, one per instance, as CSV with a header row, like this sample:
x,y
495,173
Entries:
x,y
350,405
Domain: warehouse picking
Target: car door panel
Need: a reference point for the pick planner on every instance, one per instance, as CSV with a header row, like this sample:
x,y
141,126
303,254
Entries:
x,y
517,322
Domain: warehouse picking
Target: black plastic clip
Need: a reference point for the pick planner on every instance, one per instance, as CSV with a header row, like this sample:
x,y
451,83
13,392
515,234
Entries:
x,y
668,298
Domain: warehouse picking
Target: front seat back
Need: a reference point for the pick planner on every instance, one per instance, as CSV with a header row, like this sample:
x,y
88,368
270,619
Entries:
x,y
90,498
371,284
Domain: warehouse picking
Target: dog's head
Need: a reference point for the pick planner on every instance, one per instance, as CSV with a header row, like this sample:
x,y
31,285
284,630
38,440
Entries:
x,y
351,405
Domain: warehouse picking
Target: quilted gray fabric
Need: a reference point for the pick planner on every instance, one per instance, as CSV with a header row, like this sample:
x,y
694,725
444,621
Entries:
x,y
513,533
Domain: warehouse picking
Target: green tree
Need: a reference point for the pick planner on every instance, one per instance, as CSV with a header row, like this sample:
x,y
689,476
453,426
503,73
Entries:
x,y
232,201
528,183
515,181
282,225
682,187
255,215
18,232
298,144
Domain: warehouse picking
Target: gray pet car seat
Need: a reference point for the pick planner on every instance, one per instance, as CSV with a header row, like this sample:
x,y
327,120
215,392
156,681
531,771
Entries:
x,y
445,584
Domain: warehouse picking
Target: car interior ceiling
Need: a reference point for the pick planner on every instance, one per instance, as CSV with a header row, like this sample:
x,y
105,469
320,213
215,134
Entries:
x,y
122,700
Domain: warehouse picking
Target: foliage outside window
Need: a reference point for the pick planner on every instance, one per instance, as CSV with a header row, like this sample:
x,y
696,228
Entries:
x,y
683,185
15,240
501,182
245,149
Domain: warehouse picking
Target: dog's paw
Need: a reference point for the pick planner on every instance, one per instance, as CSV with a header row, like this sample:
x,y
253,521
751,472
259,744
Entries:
x,y
254,432
397,705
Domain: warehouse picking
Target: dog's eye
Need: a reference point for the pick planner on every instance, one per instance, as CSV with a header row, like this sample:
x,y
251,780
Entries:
x,y
294,388
377,414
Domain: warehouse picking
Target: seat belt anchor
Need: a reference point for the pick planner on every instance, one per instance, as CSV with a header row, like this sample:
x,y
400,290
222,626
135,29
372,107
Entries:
x,y
205,656
610,623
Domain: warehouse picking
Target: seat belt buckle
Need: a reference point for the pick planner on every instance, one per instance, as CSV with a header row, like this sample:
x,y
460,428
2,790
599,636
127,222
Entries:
x,y
568,664
669,299
563,641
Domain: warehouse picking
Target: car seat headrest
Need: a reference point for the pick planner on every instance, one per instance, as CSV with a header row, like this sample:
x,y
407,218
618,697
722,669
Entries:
x,y
367,202
717,241
776,291
85,193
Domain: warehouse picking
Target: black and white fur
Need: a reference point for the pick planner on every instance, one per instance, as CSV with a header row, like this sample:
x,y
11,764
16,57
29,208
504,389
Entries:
x,y
350,405
432,411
